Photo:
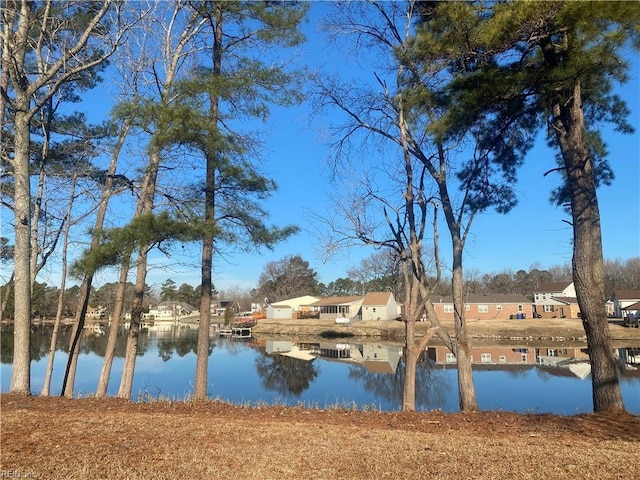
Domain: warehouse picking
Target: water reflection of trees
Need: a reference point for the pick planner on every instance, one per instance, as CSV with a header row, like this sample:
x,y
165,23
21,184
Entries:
x,y
181,343
284,375
431,387
91,342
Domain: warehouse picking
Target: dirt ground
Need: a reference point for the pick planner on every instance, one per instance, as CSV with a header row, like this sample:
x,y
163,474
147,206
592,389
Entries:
x,y
57,438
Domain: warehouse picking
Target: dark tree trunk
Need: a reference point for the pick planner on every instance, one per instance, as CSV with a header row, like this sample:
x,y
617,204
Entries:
x,y
588,265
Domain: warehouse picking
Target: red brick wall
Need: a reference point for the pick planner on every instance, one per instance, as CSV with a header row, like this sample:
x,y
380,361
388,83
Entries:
x,y
472,311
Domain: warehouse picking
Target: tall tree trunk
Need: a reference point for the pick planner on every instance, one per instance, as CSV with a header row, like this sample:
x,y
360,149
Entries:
x,y
466,388
63,281
202,362
114,327
410,361
21,375
37,204
587,263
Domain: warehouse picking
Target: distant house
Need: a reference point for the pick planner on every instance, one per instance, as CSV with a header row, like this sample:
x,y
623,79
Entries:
x,y
223,305
333,307
556,300
495,307
168,311
623,299
631,311
97,313
379,306
558,307
291,308
554,289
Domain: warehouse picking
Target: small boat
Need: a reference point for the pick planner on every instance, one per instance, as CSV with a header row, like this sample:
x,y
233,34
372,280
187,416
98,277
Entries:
x,y
342,320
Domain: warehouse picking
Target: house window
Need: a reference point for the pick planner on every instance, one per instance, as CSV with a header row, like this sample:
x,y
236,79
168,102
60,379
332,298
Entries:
x,y
498,307
448,308
520,308
485,358
450,358
523,358
467,307
503,359
483,308
548,308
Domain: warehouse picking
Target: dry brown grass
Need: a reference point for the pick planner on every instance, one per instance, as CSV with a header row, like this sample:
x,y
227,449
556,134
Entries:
x,y
98,439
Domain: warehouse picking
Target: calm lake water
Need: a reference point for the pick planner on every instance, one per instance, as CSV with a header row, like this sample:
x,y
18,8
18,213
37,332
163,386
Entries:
x,y
332,373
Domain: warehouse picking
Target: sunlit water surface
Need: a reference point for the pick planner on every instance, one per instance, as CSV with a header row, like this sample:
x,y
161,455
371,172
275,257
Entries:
x,y
325,374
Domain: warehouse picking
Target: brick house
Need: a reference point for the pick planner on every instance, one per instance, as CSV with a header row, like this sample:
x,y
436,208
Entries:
x,y
556,300
486,307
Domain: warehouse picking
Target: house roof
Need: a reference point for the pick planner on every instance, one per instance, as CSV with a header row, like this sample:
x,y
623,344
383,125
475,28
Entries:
x,y
379,366
635,306
337,301
566,300
376,298
553,287
183,305
493,298
304,300
627,294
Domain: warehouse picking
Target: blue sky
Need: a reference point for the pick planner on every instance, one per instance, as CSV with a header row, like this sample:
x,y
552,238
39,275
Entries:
x,y
533,233
296,158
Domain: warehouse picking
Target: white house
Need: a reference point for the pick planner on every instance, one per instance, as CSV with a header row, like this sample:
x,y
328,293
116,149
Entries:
x,y
554,290
333,307
622,299
287,308
171,311
379,306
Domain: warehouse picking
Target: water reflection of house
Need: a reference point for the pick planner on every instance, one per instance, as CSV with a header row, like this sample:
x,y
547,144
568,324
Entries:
x,y
488,354
289,349
381,358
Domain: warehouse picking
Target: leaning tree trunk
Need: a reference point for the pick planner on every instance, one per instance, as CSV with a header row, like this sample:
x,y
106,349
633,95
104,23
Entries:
x,y
114,327
85,290
145,207
63,282
587,263
126,382
74,343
